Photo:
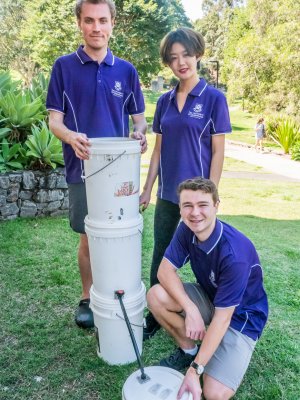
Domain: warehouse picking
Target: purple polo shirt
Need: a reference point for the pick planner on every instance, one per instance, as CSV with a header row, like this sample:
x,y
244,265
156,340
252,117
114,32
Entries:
x,y
96,99
186,148
228,268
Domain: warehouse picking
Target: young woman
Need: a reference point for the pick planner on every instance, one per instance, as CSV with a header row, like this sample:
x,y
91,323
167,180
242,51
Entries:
x,y
259,134
190,122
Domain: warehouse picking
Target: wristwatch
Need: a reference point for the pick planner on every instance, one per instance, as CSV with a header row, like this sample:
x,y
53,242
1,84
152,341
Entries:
x,y
198,368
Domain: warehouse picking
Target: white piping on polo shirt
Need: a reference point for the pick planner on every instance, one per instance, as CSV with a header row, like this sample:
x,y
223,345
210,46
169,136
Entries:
x,y
223,308
161,176
53,109
175,265
160,163
202,90
74,115
242,328
123,112
217,241
79,57
200,147
213,125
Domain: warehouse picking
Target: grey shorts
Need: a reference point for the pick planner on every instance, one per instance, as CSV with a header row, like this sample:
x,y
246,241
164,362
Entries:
x,y
77,206
230,361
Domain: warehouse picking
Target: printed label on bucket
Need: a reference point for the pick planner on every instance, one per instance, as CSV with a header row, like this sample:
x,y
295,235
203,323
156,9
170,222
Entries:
x,y
125,189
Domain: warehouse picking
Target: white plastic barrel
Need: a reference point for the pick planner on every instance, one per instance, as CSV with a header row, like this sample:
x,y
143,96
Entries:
x,y
115,254
112,177
114,343
163,384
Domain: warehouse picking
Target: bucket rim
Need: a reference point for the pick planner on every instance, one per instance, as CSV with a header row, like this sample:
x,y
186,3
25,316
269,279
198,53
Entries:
x,y
127,224
99,301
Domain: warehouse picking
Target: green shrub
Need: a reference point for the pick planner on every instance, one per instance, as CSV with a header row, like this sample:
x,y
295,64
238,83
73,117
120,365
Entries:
x,y
44,147
20,112
6,83
12,157
285,134
296,152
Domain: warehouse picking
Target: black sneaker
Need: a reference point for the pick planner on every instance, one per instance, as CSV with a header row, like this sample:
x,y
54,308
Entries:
x,y
152,326
84,315
178,360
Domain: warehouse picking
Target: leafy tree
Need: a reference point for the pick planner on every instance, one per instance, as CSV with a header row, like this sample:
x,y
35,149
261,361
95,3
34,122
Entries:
x,y
50,30
14,52
262,58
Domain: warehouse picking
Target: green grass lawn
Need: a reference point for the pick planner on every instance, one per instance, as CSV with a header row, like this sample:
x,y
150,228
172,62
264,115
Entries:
x,y
43,355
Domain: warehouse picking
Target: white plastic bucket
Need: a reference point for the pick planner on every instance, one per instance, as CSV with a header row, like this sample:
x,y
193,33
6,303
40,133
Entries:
x,y
112,177
163,384
114,343
115,254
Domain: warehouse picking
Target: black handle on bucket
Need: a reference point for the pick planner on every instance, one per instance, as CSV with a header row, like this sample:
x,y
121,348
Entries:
x,y
120,294
105,166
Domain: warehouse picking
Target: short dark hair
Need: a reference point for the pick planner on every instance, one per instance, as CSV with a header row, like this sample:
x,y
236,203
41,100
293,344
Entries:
x,y
198,183
110,3
191,40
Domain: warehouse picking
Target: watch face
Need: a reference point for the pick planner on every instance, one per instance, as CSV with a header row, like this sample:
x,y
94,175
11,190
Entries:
x,y
199,368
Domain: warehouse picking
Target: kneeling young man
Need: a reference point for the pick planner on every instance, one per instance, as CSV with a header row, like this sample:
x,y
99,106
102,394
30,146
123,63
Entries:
x,y
228,297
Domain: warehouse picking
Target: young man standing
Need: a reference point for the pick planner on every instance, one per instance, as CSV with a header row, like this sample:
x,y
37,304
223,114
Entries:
x,y
229,296
91,94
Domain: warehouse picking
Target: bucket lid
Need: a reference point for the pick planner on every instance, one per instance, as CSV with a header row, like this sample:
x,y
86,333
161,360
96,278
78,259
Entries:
x,y
163,384
114,145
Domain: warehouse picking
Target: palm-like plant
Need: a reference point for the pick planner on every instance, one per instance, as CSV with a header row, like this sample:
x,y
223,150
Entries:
x,y
12,157
44,147
20,112
285,134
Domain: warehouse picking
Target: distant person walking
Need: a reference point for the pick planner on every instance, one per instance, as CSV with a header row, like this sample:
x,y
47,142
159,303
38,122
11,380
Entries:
x,y
259,134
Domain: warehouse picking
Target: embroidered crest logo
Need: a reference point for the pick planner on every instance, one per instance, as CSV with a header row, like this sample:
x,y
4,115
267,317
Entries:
x,y
212,279
196,111
118,86
198,108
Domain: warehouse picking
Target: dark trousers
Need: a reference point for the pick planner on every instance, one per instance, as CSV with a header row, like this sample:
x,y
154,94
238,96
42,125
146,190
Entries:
x,y
166,219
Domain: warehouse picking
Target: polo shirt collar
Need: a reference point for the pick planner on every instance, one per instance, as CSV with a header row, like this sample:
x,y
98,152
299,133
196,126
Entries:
x,y
84,58
209,244
197,90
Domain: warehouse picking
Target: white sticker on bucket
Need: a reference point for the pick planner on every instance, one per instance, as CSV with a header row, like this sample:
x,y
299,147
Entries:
x,y
125,189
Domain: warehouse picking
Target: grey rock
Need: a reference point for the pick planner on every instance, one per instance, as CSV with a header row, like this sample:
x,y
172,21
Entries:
x,y
13,192
3,192
4,182
61,182
41,196
9,209
51,181
65,204
28,210
25,195
53,206
28,203
15,177
29,181
54,195
59,213
41,206
42,182
9,217
2,201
